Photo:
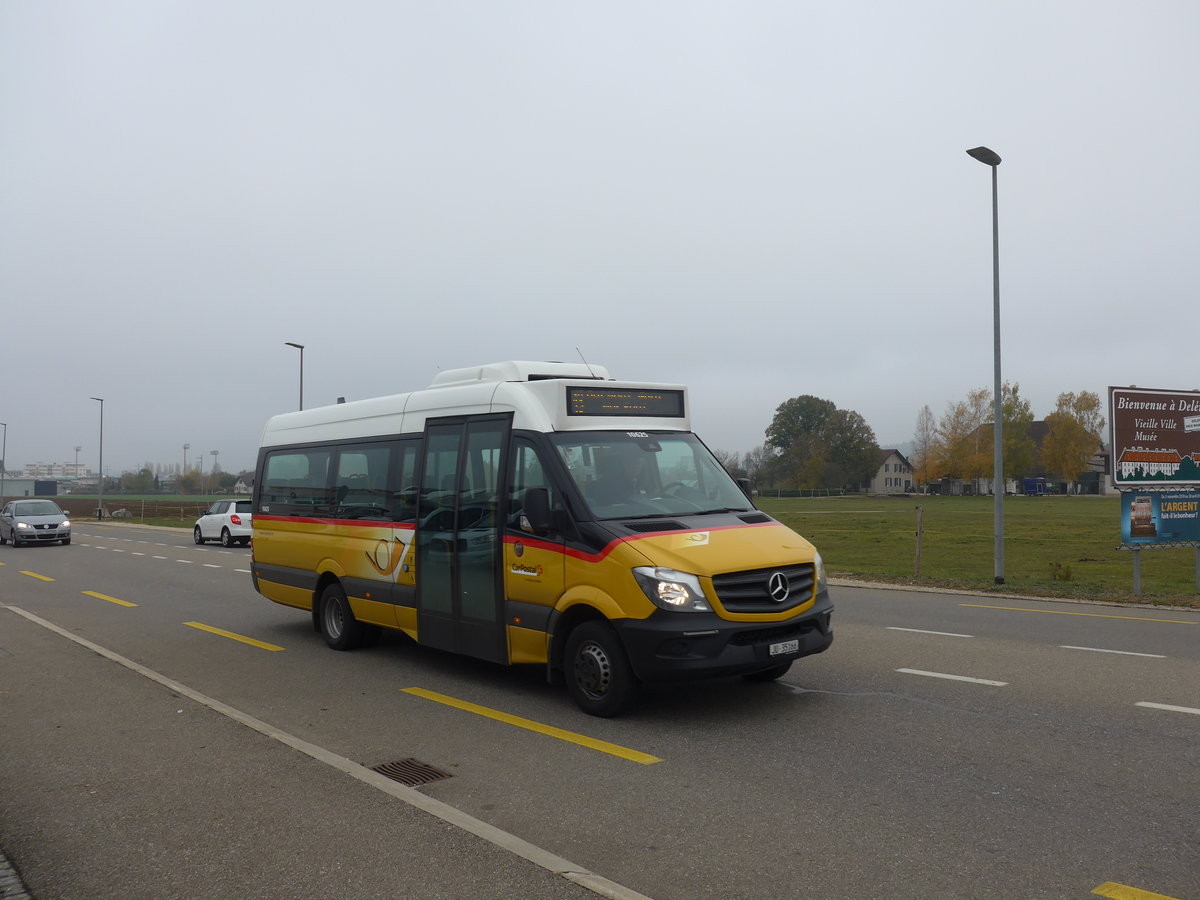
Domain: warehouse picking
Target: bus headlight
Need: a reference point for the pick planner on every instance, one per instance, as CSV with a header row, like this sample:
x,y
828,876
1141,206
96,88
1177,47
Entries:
x,y
819,570
669,589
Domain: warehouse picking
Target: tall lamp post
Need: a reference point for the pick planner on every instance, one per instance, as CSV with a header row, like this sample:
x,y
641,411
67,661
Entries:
x,y
299,347
3,460
75,471
183,471
992,160
100,479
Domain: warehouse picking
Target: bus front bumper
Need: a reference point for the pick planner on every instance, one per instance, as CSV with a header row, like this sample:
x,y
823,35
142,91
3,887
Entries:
x,y
671,646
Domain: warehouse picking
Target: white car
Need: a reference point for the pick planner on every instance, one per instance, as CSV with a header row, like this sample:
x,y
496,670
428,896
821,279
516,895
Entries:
x,y
34,522
227,521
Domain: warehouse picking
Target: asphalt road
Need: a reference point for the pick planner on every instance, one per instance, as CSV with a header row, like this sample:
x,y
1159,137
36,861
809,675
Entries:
x,y
946,746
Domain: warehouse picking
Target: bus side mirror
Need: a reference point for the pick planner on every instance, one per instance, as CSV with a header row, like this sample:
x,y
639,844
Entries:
x,y
536,511
744,484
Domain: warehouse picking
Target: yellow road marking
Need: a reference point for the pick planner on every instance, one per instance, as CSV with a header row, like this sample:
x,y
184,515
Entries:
x,y
109,599
1057,612
1116,891
36,575
233,637
603,746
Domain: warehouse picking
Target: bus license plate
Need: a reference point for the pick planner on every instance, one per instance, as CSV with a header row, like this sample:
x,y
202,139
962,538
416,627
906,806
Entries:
x,y
784,647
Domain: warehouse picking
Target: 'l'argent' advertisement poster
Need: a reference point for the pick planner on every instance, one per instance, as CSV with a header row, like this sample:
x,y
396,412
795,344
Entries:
x,y
1159,517
1155,436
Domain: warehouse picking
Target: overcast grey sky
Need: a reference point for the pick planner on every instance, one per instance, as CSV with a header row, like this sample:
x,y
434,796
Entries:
x,y
758,199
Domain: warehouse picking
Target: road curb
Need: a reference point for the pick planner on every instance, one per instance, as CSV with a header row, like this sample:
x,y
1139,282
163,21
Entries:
x,y
11,885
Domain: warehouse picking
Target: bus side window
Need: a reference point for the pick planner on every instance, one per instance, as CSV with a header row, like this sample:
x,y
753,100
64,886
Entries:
x,y
296,481
359,482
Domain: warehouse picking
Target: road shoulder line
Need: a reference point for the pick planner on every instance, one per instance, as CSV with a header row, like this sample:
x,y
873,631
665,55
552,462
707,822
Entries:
x,y
504,840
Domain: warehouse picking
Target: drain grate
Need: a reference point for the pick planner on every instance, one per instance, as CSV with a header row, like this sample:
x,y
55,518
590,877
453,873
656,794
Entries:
x,y
411,772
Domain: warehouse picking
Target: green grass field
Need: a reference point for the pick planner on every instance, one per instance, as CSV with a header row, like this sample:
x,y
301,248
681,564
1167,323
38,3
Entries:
x,y
1053,546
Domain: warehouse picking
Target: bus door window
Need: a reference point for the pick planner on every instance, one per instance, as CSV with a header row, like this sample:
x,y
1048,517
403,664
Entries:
x,y
402,488
534,563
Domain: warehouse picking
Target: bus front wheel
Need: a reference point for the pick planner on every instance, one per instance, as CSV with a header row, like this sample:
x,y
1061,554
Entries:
x,y
341,630
598,674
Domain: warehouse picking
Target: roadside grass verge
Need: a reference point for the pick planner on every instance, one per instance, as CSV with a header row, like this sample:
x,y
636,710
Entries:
x,y
1053,546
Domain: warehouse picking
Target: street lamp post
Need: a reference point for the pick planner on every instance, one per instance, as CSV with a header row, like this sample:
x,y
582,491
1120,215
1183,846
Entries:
x,y
299,347
100,479
213,474
183,471
992,160
75,471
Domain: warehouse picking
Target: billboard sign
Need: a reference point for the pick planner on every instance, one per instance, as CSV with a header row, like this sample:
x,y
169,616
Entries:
x,y
1160,517
1155,437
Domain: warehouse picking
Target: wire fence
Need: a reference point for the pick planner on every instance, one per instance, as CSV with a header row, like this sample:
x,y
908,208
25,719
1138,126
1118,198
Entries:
x,y
136,509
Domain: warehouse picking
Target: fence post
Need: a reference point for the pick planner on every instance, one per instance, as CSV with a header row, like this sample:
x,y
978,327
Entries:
x,y
1137,572
919,532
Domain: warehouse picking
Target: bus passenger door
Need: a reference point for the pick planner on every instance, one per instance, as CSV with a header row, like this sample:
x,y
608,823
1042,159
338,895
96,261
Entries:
x,y
459,598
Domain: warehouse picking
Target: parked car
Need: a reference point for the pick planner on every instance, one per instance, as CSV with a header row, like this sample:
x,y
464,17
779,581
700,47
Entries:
x,y
33,522
227,521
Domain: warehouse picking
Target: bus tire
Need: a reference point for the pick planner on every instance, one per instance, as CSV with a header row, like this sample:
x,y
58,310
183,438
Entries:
x,y
341,630
772,674
597,670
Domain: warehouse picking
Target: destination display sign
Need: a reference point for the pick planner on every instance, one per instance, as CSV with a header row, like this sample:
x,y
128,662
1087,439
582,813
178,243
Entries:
x,y
1155,436
615,401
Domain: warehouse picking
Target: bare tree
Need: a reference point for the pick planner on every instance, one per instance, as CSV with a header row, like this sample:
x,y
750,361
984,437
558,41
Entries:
x,y
924,444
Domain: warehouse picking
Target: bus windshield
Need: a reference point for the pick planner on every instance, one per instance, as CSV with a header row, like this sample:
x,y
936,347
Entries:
x,y
645,474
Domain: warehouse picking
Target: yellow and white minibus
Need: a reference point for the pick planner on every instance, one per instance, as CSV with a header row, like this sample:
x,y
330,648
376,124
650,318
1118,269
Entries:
x,y
525,512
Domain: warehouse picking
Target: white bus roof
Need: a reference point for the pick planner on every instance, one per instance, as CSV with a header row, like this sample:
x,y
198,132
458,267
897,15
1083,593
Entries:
x,y
543,396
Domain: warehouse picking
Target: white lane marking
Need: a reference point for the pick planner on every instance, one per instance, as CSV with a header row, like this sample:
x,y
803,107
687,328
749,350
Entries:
x,y
138,553
211,566
186,562
117,550
953,677
517,846
1169,708
923,631
243,571
1120,652
159,557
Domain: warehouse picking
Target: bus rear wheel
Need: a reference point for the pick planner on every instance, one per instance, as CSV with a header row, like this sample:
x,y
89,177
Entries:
x,y
341,630
598,674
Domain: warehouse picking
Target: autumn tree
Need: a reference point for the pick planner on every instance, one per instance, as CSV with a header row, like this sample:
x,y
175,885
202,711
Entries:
x,y
964,441
959,450
1020,452
190,482
1075,431
140,482
819,445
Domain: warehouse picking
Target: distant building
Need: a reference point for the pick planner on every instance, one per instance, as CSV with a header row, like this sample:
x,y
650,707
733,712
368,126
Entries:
x,y
894,475
55,470
244,484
